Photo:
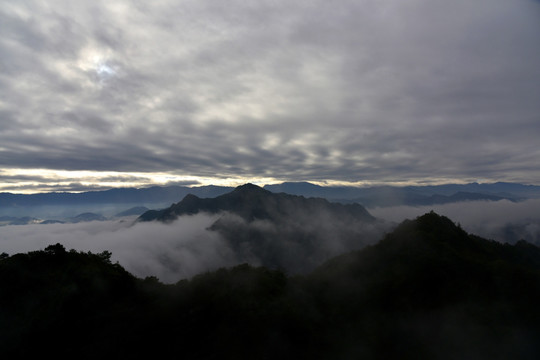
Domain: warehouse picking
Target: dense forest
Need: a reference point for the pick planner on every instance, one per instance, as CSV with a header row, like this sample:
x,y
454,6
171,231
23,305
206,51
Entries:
x,y
426,290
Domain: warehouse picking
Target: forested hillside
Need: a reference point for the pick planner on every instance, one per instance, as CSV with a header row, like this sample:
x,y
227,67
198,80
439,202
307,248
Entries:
x,y
427,290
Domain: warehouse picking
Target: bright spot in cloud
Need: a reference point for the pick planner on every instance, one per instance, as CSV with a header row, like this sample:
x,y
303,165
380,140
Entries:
x,y
104,70
44,180
98,63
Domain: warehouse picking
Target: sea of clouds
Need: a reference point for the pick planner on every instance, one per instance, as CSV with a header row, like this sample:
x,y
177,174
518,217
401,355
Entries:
x,y
187,246
169,251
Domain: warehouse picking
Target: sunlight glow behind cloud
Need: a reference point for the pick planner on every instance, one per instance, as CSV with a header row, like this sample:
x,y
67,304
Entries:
x,y
28,181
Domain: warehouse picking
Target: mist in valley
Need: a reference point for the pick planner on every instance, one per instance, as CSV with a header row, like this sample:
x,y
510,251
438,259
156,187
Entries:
x,y
199,243
193,244
503,221
170,252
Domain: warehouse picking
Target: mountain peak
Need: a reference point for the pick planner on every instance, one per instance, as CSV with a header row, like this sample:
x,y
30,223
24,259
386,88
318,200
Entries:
x,y
433,221
190,198
250,188
252,202
430,228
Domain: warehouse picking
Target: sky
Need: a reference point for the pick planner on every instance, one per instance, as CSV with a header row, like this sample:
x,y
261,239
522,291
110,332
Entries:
x,y
100,94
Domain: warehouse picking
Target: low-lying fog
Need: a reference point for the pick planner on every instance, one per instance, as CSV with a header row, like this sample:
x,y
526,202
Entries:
x,y
186,247
504,221
169,251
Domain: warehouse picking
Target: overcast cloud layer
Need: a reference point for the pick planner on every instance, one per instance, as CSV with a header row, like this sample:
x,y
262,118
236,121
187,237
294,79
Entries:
x,y
359,90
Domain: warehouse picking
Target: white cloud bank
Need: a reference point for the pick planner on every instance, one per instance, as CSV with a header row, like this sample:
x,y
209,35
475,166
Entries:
x,y
186,247
169,251
503,220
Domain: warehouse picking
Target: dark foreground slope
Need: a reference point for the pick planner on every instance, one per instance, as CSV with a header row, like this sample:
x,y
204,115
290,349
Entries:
x,y
427,291
59,302
430,290
282,231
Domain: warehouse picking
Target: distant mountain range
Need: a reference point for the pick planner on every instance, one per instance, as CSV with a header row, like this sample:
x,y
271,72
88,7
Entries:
x,y
151,195
412,195
83,217
13,220
427,290
160,197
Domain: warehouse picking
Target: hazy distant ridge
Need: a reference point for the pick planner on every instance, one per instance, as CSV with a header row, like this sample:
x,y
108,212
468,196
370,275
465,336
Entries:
x,y
155,194
412,195
369,196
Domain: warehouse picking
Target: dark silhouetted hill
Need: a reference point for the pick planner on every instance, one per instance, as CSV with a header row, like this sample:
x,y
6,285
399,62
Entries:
x,y
428,290
280,230
59,302
252,202
437,292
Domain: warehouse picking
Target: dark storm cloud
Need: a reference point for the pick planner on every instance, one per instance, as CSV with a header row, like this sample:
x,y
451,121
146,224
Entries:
x,y
355,90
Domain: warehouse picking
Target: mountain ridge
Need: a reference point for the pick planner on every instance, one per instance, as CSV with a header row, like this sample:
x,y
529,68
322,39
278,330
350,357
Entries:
x,y
154,194
279,231
367,196
427,290
385,195
251,202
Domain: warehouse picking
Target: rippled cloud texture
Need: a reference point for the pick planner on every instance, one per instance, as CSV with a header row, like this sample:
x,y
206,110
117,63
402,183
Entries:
x,y
386,91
